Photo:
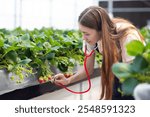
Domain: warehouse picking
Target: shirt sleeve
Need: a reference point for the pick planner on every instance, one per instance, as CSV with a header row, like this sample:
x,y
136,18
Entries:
x,y
125,57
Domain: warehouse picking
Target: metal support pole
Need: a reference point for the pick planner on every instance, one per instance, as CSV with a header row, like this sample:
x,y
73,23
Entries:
x,y
15,13
110,8
81,98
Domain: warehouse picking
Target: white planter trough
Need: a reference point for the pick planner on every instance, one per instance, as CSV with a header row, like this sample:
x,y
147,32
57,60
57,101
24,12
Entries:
x,y
8,85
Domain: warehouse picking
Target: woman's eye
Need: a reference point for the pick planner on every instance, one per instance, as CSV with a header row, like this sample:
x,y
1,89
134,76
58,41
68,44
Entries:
x,y
86,34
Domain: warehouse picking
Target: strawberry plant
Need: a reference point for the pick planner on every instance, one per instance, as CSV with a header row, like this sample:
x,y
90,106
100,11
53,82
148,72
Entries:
x,y
30,52
11,57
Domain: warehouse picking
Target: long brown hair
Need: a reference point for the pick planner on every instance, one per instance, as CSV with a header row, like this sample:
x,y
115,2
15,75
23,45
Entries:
x,y
97,18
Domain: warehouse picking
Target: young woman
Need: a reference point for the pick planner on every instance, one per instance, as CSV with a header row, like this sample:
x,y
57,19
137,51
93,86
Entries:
x,y
110,35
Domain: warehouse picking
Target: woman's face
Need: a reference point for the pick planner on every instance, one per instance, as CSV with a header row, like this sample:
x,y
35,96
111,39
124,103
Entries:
x,y
90,35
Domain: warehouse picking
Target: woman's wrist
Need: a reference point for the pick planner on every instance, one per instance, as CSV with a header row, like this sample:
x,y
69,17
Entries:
x,y
70,79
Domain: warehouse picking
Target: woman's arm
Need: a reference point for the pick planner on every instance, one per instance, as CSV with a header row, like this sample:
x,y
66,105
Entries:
x,y
81,74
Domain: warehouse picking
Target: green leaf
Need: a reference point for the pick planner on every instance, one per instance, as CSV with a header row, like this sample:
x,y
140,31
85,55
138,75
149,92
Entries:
x,y
122,70
12,55
47,45
9,48
55,48
28,53
1,41
129,85
50,56
135,47
25,37
38,61
63,66
10,67
139,64
146,55
147,48
25,61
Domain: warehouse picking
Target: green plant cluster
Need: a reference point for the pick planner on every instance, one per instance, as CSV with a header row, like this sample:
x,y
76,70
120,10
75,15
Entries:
x,y
139,70
35,51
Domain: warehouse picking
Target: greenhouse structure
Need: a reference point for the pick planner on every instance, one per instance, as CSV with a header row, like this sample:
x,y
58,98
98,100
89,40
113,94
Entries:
x,y
46,50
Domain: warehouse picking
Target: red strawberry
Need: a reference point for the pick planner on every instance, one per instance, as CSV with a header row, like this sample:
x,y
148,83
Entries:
x,y
67,75
45,79
41,80
49,77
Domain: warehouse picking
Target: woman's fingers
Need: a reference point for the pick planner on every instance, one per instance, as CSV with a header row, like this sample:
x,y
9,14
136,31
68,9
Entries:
x,y
60,79
58,76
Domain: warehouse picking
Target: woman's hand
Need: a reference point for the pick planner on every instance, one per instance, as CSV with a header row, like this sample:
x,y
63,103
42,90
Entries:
x,y
61,79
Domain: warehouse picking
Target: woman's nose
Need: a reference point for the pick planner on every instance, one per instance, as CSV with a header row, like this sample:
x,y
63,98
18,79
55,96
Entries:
x,y
84,37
